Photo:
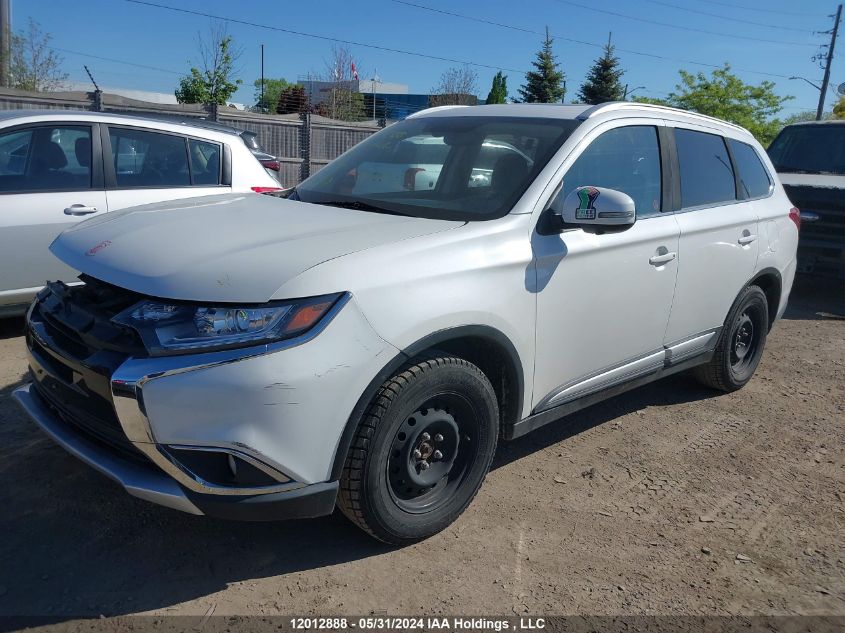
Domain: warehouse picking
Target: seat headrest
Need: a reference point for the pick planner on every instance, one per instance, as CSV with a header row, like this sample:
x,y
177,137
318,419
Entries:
x,y
509,171
52,156
82,149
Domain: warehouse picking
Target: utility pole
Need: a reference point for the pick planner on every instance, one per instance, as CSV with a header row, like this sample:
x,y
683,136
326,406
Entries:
x,y
826,80
5,43
263,105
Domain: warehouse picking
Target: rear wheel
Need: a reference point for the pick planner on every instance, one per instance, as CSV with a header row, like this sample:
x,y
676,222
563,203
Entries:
x,y
421,451
740,344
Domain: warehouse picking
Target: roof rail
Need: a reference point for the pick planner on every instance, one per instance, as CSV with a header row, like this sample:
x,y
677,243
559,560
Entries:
x,y
611,106
434,109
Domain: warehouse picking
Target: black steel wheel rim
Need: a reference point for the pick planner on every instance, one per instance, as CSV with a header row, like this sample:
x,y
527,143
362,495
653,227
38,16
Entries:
x,y
432,452
745,339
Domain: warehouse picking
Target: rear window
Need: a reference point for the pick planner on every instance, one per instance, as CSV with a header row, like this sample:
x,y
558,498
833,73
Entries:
x,y
754,180
149,159
810,149
706,173
205,162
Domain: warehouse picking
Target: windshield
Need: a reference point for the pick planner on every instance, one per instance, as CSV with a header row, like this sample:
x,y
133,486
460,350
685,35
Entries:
x,y
810,149
453,168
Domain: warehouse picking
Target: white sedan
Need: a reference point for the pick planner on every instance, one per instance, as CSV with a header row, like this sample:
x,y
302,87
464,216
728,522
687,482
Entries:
x,y
60,167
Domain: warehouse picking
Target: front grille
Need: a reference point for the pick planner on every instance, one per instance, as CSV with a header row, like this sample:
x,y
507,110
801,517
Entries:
x,y
74,350
821,246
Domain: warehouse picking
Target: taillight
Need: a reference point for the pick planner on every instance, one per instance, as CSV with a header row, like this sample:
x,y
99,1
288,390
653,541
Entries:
x,y
273,165
266,189
411,178
795,216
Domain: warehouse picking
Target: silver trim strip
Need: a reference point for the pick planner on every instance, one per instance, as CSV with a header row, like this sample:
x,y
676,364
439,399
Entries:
x,y
603,379
630,369
144,483
690,347
127,387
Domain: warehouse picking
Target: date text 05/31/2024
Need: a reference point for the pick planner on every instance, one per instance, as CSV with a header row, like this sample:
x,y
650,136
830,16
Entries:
x,y
386,623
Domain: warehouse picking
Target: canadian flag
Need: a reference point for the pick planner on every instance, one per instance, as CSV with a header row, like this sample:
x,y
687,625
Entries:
x,y
354,72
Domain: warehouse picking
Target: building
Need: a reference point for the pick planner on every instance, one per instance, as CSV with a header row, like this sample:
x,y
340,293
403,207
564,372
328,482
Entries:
x,y
381,99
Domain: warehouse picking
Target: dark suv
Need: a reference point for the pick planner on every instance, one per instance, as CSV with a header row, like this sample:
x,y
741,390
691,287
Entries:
x,y
810,160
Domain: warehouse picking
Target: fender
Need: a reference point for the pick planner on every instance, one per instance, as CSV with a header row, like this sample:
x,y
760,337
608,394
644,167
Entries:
x,y
773,307
427,342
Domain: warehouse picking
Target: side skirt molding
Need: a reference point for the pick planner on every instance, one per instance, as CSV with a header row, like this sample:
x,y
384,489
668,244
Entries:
x,y
535,421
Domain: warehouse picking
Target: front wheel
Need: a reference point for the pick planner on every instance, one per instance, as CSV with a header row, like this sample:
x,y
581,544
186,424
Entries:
x,y
421,451
740,344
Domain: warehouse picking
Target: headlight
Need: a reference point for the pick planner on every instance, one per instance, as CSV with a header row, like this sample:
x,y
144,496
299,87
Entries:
x,y
173,328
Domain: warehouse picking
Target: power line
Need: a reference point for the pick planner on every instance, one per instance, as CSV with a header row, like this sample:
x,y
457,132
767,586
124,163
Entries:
x,y
747,8
725,17
674,26
321,37
583,43
116,61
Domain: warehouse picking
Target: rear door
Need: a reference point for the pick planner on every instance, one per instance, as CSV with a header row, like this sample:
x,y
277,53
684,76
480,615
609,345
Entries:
x,y
50,178
719,235
144,166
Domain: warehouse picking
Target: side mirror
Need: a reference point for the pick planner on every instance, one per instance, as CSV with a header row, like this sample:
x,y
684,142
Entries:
x,y
595,206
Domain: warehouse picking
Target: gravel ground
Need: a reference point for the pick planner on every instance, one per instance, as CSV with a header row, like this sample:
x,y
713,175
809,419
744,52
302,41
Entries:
x,y
671,499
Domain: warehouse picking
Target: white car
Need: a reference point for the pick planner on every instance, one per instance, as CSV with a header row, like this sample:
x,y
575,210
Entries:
x,y
260,358
59,167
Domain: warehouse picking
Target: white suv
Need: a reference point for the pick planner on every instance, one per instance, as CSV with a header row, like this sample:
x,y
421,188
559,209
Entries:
x,y
259,358
59,167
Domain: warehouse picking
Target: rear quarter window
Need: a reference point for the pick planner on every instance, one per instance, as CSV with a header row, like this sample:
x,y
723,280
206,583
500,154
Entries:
x,y
707,177
754,180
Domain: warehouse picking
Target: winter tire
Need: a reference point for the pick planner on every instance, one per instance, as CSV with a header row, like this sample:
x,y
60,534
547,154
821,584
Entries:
x,y
421,450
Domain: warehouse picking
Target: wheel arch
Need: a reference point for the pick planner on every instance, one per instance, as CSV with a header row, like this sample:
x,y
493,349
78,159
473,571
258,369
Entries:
x,y
484,346
769,280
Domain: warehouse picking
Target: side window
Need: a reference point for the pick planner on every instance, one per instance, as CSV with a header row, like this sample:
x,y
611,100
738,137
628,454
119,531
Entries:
x,y
14,150
626,159
46,158
205,162
706,173
754,180
149,159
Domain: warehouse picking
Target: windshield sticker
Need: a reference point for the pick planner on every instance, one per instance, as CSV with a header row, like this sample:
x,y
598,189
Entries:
x,y
586,208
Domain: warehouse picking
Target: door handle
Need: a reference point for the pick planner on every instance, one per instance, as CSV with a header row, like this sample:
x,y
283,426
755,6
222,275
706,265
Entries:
x,y
746,239
80,209
659,260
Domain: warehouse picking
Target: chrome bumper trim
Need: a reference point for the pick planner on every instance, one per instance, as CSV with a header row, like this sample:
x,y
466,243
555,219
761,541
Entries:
x,y
127,387
147,484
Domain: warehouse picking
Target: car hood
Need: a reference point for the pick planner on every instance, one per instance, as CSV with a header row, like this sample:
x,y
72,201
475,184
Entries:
x,y
824,181
238,247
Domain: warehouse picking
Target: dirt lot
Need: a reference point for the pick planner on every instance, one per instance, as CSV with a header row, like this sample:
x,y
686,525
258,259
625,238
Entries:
x,y
670,499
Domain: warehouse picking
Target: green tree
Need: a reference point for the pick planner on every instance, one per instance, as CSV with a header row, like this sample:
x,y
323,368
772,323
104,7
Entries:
x,y
214,81
273,88
292,100
546,83
342,105
839,109
602,83
725,96
33,64
499,92
806,115
457,86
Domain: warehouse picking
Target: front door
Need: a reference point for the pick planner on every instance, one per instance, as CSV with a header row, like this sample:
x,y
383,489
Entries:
x,y
50,179
603,300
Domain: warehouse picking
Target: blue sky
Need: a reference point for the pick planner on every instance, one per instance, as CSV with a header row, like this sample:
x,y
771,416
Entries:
x,y
166,40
